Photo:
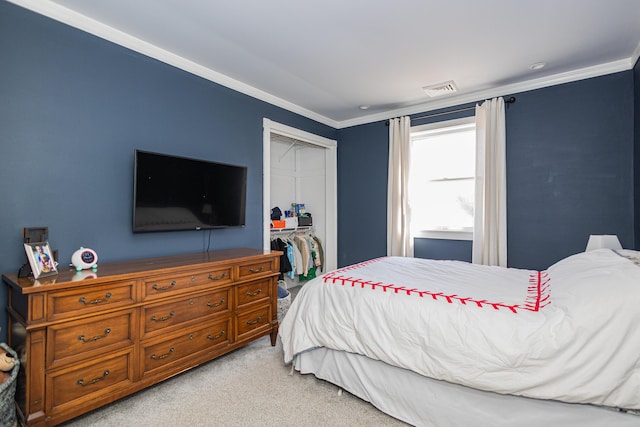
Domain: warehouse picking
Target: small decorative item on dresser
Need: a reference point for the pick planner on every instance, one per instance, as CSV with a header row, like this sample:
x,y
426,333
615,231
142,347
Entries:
x,y
84,258
40,259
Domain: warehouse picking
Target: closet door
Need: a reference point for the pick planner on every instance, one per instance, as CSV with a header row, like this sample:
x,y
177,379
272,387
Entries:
x,y
284,185
311,185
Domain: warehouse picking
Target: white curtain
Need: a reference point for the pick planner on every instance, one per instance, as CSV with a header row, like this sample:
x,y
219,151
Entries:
x,y
399,240
490,211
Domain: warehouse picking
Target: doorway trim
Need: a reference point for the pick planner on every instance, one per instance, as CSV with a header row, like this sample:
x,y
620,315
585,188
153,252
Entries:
x,y
331,185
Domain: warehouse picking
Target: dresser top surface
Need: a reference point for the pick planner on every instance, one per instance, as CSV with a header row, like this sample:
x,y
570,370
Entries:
x,y
129,269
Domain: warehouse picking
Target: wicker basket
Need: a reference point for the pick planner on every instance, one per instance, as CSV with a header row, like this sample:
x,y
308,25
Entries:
x,y
8,391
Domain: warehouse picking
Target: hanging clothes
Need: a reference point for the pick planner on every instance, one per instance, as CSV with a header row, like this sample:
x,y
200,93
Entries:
x,y
302,255
291,257
285,266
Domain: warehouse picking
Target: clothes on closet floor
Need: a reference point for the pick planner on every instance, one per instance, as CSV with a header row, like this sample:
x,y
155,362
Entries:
x,y
303,256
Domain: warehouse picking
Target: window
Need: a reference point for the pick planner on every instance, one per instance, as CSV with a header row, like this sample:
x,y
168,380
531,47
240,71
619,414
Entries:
x,y
442,180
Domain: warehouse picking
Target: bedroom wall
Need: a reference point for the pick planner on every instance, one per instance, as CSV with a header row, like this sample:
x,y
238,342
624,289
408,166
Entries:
x,y
569,174
74,107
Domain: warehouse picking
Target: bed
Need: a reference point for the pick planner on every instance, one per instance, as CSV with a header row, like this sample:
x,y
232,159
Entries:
x,y
447,342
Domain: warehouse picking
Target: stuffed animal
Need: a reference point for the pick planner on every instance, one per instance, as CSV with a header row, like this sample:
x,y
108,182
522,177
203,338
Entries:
x,y
7,362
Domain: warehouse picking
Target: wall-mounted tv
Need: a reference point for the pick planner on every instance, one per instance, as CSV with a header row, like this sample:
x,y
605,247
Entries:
x,y
176,193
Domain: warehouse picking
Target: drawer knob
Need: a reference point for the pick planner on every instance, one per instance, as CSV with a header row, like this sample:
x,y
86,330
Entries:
x,y
163,318
155,286
256,270
254,294
81,382
162,356
83,300
218,304
216,337
96,338
220,277
253,322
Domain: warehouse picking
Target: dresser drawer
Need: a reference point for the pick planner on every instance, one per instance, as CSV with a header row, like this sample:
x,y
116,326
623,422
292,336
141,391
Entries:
x,y
256,268
94,336
253,292
185,346
164,315
81,384
253,322
87,300
169,285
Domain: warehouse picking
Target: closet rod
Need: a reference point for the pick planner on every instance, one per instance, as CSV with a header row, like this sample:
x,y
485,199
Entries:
x,y
507,101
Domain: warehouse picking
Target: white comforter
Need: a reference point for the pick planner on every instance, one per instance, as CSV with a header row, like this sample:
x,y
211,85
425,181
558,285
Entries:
x,y
571,333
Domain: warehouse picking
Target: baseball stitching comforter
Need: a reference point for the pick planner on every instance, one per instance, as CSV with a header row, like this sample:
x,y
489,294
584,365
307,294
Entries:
x,y
570,333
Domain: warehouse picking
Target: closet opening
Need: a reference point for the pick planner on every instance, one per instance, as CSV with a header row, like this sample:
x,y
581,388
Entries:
x,y
301,168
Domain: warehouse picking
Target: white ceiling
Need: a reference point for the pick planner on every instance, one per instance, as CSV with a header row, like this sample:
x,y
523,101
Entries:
x,y
324,59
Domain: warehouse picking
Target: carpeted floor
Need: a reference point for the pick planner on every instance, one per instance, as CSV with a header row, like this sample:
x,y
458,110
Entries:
x,y
248,387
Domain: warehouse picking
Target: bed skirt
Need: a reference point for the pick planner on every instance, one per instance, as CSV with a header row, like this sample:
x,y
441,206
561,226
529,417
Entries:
x,y
422,401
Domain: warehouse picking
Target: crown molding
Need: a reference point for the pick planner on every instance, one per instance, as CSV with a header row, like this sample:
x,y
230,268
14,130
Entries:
x,y
84,23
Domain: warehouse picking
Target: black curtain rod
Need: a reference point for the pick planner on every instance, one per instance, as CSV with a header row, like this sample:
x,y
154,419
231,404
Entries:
x,y
507,101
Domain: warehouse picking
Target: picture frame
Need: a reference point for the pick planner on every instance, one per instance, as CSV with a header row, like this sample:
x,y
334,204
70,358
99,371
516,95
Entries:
x,y
40,259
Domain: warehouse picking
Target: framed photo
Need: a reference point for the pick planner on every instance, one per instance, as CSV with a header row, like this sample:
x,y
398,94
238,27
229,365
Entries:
x,y
40,259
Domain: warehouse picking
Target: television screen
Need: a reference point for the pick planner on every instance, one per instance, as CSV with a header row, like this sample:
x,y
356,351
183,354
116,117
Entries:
x,y
177,193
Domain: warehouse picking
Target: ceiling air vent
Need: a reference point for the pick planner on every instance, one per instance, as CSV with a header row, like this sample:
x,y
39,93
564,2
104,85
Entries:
x,y
440,89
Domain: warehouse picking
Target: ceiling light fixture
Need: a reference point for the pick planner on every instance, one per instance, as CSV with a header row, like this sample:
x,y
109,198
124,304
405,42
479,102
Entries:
x,y
537,66
364,107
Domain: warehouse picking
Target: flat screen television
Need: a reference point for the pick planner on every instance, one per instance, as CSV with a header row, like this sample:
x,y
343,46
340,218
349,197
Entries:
x,y
176,193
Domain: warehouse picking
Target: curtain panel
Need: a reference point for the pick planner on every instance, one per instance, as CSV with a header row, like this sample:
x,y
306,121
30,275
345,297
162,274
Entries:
x,y
399,239
490,210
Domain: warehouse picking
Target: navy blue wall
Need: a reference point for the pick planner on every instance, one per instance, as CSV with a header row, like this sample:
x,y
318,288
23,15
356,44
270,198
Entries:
x,y
460,250
362,192
569,174
569,168
74,107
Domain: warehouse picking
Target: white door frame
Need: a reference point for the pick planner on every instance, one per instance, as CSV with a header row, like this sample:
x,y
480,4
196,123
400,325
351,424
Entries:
x,y
331,185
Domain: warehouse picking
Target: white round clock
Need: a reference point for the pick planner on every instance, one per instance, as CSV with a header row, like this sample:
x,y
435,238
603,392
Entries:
x,y
84,258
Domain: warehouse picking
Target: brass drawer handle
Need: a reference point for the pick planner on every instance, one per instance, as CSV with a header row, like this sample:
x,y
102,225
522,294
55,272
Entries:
x,y
162,319
93,381
256,270
254,294
209,337
253,322
218,304
220,277
96,338
163,356
83,300
155,286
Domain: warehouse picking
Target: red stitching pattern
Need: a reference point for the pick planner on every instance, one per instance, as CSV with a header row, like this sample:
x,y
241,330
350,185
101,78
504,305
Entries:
x,y
538,291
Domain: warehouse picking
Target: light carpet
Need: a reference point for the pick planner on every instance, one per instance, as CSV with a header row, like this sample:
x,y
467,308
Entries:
x,y
248,387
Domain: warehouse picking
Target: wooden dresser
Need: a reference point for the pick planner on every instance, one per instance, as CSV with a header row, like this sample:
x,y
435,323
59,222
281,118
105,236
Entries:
x,y
86,339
